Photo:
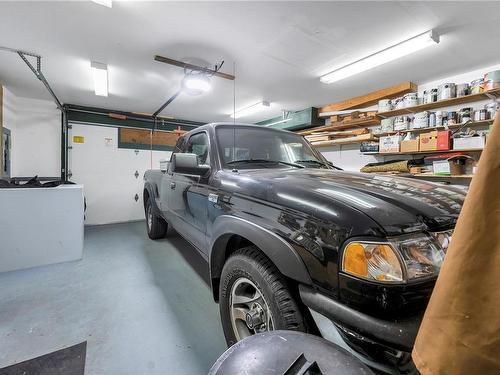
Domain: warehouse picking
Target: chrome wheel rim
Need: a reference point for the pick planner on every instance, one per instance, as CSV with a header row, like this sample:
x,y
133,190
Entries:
x,y
249,310
149,217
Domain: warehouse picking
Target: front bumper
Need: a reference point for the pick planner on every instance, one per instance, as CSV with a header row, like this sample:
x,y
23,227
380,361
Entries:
x,y
364,333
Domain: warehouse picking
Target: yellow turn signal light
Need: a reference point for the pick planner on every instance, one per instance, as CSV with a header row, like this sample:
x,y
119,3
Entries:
x,y
371,261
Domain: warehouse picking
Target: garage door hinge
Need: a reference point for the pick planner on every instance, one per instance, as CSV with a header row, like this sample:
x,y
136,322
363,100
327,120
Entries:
x,y
136,198
136,174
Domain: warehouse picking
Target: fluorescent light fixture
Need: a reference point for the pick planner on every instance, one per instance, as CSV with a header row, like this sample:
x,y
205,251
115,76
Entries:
x,y
404,48
100,76
196,83
106,3
250,110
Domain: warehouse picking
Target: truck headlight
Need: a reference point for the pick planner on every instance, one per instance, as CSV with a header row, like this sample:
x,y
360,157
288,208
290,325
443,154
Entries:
x,y
422,255
372,261
401,259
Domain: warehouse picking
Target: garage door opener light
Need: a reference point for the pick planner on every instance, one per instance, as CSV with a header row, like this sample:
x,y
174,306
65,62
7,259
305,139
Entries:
x,y
196,83
394,52
100,77
250,110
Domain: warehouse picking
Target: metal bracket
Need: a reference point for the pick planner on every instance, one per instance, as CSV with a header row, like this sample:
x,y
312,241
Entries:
x,y
136,174
136,197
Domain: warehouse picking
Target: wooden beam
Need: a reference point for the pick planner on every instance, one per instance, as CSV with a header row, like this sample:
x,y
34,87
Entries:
x,y
181,64
371,98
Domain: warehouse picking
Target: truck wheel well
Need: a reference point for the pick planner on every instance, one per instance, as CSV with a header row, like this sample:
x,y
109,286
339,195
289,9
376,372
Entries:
x,y
234,243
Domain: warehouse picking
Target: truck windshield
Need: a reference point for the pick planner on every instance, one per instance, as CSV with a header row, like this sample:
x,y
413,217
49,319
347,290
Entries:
x,y
250,147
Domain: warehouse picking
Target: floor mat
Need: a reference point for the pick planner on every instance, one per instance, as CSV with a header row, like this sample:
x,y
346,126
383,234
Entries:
x,y
67,361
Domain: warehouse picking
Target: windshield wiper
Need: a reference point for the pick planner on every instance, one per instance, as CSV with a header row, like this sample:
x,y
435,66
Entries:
x,y
328,165
259,161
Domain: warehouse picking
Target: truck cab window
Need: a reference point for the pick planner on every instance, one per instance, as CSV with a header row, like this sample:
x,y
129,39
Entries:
x,y
198,144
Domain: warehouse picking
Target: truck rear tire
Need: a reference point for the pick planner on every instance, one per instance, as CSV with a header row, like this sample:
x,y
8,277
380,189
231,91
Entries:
x,y
156,226
255,297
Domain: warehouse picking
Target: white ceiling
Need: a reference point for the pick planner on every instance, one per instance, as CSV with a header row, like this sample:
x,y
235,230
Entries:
x,y
279,48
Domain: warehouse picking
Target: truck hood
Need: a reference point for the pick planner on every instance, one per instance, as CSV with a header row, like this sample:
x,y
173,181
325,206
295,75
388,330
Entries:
x,y
398,205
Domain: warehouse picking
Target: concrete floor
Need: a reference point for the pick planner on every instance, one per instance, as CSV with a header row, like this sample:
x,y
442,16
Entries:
x,y
143,306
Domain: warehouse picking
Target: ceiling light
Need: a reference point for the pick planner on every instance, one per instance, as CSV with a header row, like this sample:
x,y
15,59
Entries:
x,y
100,76
250,110
404,48
106,3
196,83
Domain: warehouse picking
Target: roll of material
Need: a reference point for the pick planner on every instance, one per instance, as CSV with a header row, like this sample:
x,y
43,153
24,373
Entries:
x,y
492,80
447,91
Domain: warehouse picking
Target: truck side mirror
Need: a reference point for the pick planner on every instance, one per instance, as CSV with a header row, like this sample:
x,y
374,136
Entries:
x,y
188,164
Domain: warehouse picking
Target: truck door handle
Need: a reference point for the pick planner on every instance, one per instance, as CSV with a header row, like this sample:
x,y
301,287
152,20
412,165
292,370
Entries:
x,y
172,185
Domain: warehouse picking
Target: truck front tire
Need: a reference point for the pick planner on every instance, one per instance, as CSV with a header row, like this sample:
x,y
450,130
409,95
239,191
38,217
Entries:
x,y
156,226
255,297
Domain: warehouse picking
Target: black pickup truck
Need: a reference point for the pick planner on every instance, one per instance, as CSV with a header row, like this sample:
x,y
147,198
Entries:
x,y
295,243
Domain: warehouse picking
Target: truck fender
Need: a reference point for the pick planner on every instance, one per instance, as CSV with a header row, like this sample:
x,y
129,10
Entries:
x,y
280,252
153,193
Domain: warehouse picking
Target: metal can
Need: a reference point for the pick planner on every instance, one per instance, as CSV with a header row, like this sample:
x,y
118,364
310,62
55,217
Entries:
x,y
439,118
432,119
421,120
447,91
452,118
387,125
463,89
491,80
384,105
465,114
401,123
476,86
410,99
491,110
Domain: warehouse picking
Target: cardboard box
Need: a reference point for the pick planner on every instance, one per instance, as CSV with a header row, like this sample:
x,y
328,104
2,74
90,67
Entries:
x,y
444,140
410,146
389,144
470,142
441,167
428,141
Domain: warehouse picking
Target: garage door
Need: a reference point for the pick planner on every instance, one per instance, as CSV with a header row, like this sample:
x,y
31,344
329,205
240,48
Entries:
x,y
112,177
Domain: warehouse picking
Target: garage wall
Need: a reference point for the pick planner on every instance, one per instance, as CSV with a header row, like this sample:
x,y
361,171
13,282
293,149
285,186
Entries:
x,y
107,174
349,158
35,130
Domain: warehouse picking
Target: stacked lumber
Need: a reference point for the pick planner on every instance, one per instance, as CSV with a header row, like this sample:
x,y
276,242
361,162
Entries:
x,y
329,135
344,140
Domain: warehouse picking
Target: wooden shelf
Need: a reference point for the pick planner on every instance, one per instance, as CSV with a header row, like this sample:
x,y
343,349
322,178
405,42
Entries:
x,y
442,103
345,141
422,152
422,130
343,125
431,175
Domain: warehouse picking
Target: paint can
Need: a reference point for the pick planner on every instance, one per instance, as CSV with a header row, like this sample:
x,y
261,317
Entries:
x,y
491,109
421,120
430,96
439,118
398,103
447,91
476,86
410,99
387,125
384,105
401,123
465,114
432,119
463,89
451,118
481,115
491,80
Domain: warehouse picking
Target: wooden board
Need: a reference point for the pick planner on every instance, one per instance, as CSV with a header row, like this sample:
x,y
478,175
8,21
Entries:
x,y
143,137
358,123
442,103
345,141
371,98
